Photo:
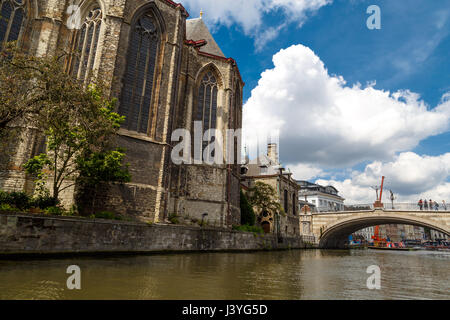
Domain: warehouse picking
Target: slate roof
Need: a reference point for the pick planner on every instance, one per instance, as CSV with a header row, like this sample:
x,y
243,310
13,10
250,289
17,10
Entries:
x,y
255,167
196,30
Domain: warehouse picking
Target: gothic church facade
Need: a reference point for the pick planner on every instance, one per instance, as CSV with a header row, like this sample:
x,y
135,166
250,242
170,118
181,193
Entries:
x,y
167,72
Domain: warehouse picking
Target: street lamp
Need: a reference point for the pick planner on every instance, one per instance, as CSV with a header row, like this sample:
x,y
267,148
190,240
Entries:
x,y
392,198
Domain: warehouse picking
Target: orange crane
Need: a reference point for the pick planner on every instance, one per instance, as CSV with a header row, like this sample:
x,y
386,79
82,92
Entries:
x,y
377,240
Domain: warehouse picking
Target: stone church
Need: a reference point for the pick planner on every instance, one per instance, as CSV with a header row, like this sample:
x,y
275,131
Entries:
x,y
166,71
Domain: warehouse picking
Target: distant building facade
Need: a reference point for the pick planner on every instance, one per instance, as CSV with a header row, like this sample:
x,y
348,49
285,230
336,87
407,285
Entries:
x,y
365,234
267,169
401,232
320,198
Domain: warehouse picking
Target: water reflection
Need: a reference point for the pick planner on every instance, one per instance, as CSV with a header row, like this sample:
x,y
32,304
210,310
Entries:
x,y
307,274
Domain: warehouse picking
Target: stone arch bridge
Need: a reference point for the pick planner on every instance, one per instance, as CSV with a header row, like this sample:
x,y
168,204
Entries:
x,y
331,229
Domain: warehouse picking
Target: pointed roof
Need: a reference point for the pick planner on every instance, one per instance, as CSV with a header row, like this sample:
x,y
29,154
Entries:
x,y
262,165
197,30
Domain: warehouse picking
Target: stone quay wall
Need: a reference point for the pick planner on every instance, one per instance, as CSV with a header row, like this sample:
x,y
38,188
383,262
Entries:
x,y
22,234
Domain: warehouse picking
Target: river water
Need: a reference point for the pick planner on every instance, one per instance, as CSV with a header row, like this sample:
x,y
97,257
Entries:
x,y
296,274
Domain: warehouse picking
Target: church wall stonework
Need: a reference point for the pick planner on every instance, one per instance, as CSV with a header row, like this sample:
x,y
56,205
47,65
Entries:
x,y
158,188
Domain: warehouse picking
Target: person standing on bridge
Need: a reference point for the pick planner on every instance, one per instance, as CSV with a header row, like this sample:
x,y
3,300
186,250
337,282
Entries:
x,y
425,204
436,206
420,204
444,206
430,204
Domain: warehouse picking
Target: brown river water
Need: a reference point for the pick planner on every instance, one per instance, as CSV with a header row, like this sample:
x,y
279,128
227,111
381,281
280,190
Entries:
x,y
293,275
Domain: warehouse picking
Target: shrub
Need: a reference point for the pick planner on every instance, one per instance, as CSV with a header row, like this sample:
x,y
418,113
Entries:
x,y
54,211
44,201
106,215
247,228
247,214
173,218
4,197
4,207
20,200
72,212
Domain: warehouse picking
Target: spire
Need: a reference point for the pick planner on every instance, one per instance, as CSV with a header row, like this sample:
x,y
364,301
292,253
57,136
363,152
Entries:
x,y
201,13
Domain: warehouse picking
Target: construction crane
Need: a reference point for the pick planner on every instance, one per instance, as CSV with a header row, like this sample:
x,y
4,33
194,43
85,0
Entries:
x,y
377,240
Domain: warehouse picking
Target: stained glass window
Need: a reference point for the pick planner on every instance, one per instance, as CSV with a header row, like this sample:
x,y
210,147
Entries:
x,y
237,108
236,123
286,201
85,45
12,17
207,103
139,78
294,208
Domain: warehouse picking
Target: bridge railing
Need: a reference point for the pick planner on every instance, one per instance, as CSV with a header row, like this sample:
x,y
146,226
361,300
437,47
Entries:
x,y
416,207
388,206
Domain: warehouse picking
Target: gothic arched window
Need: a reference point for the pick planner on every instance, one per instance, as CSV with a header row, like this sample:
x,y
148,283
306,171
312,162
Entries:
x,y
294,207
207,102
85,43
286,201
12,17
236,124
237,108
139,78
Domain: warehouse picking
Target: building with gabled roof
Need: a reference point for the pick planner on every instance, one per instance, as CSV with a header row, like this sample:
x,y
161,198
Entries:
x,y
267,169
321,198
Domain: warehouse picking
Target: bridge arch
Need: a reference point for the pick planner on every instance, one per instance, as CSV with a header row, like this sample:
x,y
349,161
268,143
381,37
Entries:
x,y
335,235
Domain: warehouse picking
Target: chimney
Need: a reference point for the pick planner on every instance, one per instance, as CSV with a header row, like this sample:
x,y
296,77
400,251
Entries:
x,y
272,152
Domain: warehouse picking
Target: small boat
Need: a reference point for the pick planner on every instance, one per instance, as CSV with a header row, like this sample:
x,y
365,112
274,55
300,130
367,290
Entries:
x,y
380,243
393,248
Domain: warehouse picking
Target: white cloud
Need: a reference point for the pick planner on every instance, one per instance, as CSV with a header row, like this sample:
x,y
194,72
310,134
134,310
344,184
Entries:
x,y
324,122
249,14
266,36
410,176
304,171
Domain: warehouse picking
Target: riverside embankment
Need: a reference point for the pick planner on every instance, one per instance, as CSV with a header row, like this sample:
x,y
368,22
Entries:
x,y
22,234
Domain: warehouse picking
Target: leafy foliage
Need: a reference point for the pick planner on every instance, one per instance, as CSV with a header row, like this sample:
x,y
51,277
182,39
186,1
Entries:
x,y
19,200
45,201
54,211
247,228
247,213
22,201
264,197
4,207
173,218
77,135
20,96
106,215
103,166
78,122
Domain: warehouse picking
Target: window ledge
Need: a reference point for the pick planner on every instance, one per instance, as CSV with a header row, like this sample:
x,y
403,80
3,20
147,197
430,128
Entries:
x,y
138,136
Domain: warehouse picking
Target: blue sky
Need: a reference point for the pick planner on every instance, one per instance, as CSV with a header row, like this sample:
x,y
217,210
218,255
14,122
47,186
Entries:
x,y
339,35
410,53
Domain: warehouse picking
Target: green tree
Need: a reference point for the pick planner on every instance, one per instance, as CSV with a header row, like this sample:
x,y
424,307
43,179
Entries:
x,y
78,130
20,96
78,121
247,213
263,196
104,166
